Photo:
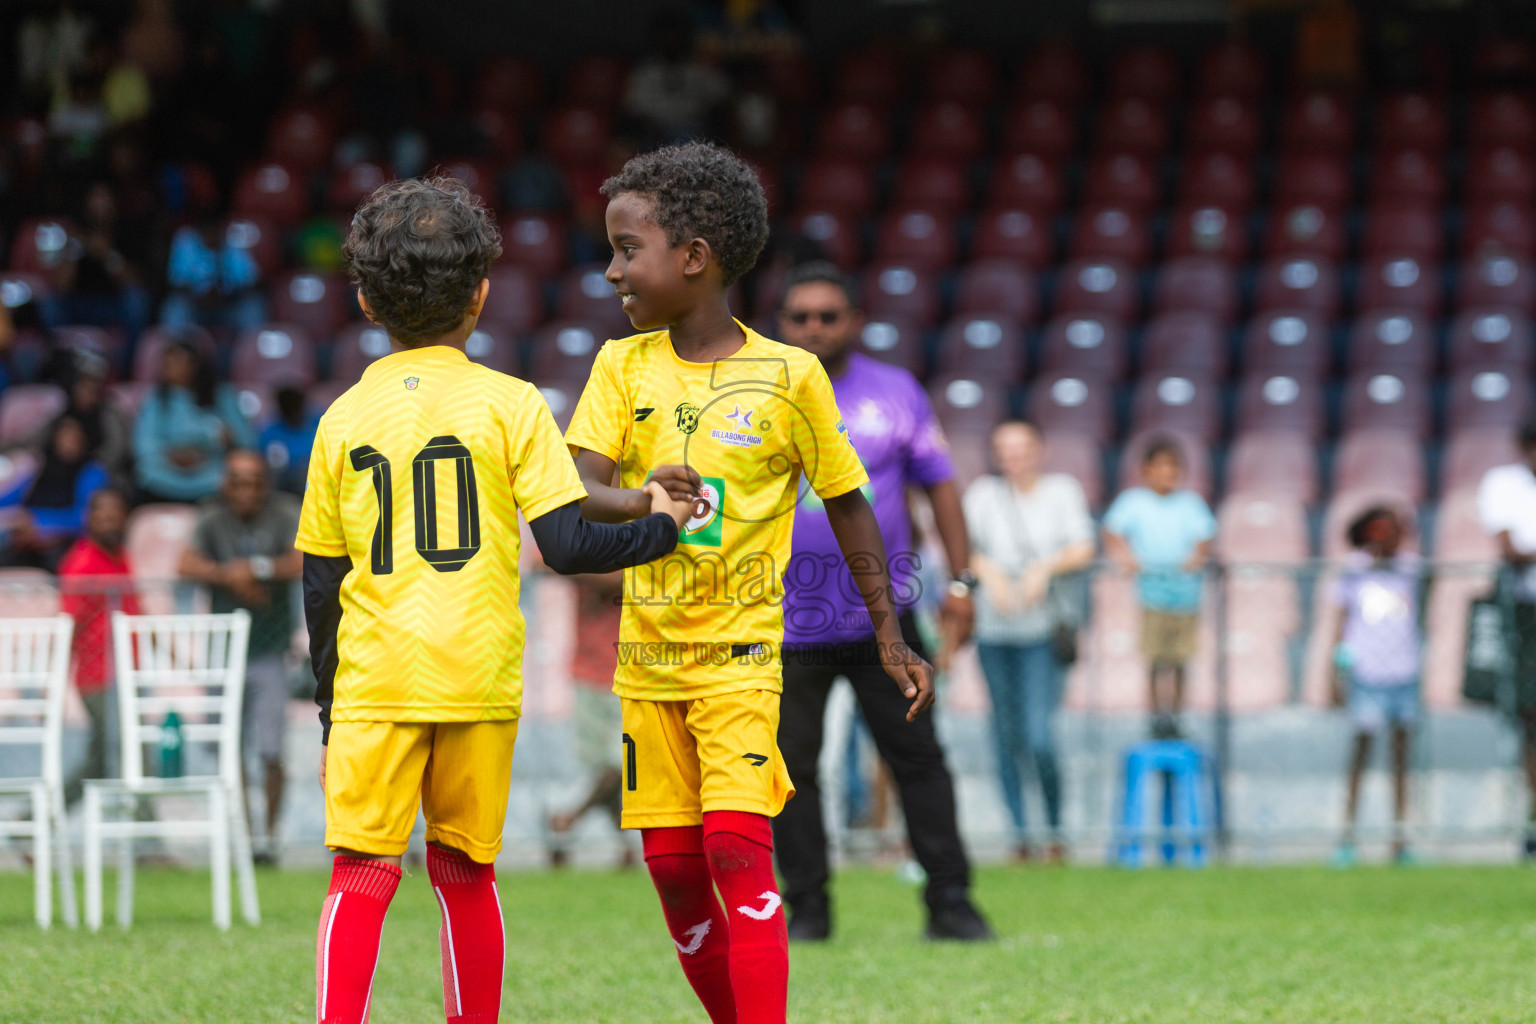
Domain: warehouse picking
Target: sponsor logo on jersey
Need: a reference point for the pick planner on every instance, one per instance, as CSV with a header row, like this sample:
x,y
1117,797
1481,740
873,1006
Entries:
x,y
704,527
758,760
642,414
687,417
411,382
738,437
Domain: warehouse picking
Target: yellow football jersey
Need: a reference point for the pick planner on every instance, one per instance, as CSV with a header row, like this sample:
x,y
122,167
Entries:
x,y
758,426
418,473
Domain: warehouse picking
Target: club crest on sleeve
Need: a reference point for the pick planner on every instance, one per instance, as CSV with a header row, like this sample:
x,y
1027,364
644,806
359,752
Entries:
x,y
411,382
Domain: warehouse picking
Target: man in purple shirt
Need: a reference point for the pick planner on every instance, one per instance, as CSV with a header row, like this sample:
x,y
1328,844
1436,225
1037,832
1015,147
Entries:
x,y
828,633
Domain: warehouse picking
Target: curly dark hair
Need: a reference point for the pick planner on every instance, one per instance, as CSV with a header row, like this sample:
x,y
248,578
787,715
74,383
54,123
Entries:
x,y
699,190
418,249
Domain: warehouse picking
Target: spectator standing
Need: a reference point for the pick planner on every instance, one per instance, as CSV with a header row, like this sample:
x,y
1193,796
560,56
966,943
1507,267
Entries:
x,y
1027,529
212,283
1377,659
48,511
108,436
1506,506
828,632
96,579
287,441
1162,533
243,550
184,429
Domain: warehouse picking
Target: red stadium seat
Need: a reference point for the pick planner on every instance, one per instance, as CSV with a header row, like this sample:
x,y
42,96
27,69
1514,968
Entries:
x,y
1310,178
1193,448
561,396
977,343
513,83
1387,400
302,138
356,347
1084,345
1217,178
319,303
500,132
40,243
1226,123
103,341
1112,232
942,186
1014,234
1123,179
836,233
492,345
1501,173
873,76
1293,341
1404,230
1147,72
1186,341
1399,283
947,129
1318,122
1172,402
968,404
1498,229
999,287
1132,125
477,176
1491,339
575,135
1281,403
516,298
1232,69
896,341
260,238
1054,71
153,343
24,408
1098,286
1273,463
1492,399
1197,282
1299,283
19,287
1411,119
1414,175
536,242
1470,454
158,535
564,351
963,76
918,238
1043,127
585,295
843,186
275,355
1380,459
1307,230
1072,403
1385,339
595,80
901,291
273,191
1080,458
351,185
855,131
1207,231
1497,281
1026,180
1503,119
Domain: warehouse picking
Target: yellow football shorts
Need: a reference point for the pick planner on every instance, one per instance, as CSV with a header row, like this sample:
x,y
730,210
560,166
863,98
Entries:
x,y
685,757
376,773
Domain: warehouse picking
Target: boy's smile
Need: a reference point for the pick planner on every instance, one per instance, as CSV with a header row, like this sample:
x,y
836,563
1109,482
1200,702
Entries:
x,y
646,270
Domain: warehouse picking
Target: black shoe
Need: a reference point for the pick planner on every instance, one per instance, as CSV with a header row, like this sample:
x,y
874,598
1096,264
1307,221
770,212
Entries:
x,y
264,859
1529,853
810,921
959,921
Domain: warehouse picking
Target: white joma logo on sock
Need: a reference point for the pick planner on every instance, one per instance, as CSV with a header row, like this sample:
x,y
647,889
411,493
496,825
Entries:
x,y
771,904
695,939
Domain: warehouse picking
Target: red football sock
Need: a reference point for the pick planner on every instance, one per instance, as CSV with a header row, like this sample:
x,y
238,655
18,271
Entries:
x,y
347,952
675,857
473,936
740,851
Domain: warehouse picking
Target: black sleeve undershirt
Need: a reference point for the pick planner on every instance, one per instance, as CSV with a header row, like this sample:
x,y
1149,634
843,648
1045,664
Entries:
x,y
322,612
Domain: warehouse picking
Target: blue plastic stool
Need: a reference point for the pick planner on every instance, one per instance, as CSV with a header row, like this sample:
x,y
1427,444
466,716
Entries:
x,y
1187,801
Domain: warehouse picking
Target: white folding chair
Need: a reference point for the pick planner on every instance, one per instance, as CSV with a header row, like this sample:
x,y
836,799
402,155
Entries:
x,y
193,665
34,661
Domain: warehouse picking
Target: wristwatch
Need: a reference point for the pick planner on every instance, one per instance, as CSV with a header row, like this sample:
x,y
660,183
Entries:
x,y
962,584
261,567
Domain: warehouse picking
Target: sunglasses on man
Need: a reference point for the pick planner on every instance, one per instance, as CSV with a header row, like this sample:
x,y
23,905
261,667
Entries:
x,y
828,317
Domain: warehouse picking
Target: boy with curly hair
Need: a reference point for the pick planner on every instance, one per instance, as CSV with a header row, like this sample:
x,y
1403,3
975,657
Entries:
x,y
737,419
410,541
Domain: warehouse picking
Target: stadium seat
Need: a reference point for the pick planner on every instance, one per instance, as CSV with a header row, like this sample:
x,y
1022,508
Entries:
x,y
968,406
1112,232
357,346
513,83
536,242
937,185
918,238
1225,123
1496,399
1132,125
19,287
1232,69
1054,71
17,465
1399,282
962,76
1398,229
1084,344
1313,178
1123,179
1459,538
1193,448
500,133
1098,286
1072,403
1497,339
575,136
257,400
1501,173
595,80
318,303
1384,339
1277,462
1293,341
1281,403
842,186
1014,234
897,341
1299,283
153,342
157,537
1497,281
1173,402
25,408
836,233
1026,180
492,345
561,396
1078,457
277,354
1389,401
352,184
978,343
1498,229
302,138
1499,58
258,237
1317,122
874,76
1185,341
1412,119
1306,229
1262,538
273,191
477,176
1217,178
1042,127
1502,119
104,341
1197,282
1412,175
564,351
322,396
1375,459
39,244
1207,231
516,300
855,131
949,129
901,291
999,287
1147,72
1470,454
585,295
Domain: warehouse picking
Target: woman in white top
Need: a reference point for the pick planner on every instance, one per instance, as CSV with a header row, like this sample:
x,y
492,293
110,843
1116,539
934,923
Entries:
x,y
1027,528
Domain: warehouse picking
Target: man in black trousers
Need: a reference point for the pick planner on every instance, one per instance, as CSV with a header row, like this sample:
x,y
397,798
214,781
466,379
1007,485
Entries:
x,y
828,632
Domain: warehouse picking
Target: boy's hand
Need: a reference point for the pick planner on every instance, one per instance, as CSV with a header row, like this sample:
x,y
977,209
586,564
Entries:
x,y
662,501
681,482
912,674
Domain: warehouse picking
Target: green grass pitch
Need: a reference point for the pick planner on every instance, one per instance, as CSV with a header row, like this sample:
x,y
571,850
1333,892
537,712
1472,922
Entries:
x,y
1292,946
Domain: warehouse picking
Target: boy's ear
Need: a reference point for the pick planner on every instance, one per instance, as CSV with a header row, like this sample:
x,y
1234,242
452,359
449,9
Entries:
x,y
481,291
696,256
362,303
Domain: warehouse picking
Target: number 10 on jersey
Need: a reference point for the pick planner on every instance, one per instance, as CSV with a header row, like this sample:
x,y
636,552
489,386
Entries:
x,y
381,559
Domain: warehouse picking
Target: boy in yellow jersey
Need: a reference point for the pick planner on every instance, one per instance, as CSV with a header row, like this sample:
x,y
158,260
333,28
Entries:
x,y
699,670
410,541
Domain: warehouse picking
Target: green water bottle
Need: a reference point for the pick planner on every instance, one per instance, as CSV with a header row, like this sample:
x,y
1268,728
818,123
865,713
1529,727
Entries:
x,y
170,746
